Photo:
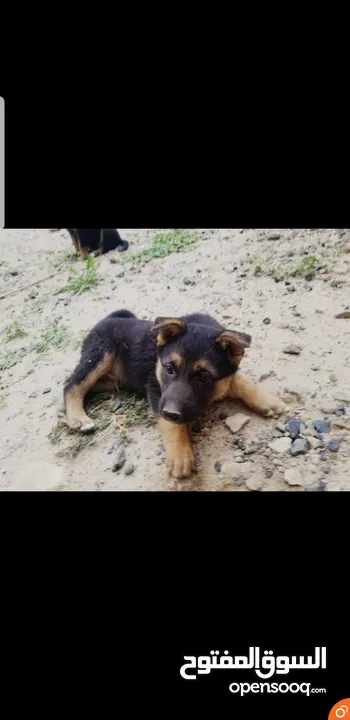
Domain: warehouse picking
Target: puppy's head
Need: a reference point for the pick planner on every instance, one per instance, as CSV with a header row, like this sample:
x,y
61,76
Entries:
x,y
194,366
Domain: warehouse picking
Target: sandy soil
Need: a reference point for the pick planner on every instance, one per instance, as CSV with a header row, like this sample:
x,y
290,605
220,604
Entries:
x,y
230,274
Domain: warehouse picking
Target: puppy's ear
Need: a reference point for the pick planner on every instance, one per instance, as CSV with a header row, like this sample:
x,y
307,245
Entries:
x,y
167,329
234,343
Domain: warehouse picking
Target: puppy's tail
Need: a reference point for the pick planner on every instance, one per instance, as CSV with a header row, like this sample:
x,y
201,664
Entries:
x,y
122,314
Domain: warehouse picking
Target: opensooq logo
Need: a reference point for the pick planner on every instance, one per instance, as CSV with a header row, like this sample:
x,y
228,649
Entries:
x,y
265,665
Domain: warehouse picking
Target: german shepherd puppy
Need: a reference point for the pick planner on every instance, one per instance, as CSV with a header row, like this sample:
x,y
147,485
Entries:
x,y
98,241
181,364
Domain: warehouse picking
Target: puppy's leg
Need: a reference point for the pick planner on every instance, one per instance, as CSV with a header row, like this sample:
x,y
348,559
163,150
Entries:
x,y
243,388
104,385
83,252
180,460
84,378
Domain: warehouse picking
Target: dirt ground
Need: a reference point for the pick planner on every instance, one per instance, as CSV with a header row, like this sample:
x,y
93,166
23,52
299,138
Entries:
x,y
252,280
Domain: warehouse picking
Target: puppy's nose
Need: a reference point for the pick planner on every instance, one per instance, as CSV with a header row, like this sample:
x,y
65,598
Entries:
x,y
172,416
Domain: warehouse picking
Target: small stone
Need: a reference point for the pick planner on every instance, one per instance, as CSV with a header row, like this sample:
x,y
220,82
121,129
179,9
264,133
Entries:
x,y
39,477
333,446
240,444
188,281
315,368
33,294
268,473
47,390
217,466
292,476
254,484
325,469
291,288
236,422
266,321
292,349
331,409
307,287
158,461
119,460
313,442
299,447
129,469
111,447
222,415
322,426
120,274
66,301
269,374
239,480
233,469
323,457
273,236
308,277
113,259
117,405
12,272
334,487
293,426
341,268
281,445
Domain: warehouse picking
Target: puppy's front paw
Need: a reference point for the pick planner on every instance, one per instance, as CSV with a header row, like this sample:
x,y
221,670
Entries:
x,y
180,462
270,405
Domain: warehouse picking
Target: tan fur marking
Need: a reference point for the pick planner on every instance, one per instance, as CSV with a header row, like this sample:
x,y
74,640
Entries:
x,y
176,359
179,454
83,253
77,419
243,388
160,341
221,389
203,364
159,371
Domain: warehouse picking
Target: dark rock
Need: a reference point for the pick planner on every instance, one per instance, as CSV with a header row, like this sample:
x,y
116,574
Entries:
x,y
273,236
117,405
241,444
291,288
120,274
292,349
322,426
308,277
217,466
47,390
266,321
188,281
326,469
269,374
323,456
66,301
33,294
297,314
129,469
293,427
12,272
119,460
333,445
222,415
299,447
112,447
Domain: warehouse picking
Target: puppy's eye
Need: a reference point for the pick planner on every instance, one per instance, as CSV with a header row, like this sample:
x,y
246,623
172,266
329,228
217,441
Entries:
x,y
203,376
169,369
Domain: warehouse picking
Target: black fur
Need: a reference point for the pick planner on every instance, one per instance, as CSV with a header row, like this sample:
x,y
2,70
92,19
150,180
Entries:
x,y
90,239
133,345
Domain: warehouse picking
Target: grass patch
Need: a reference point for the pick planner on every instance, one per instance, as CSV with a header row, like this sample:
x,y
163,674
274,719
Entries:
x,y
282,268
3,400
64,257
13,331
10,359
56,336
293,328
81,282
136,411
164,244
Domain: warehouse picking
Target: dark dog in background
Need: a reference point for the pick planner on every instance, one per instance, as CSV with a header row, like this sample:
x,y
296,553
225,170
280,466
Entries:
x,y
97,241
181,364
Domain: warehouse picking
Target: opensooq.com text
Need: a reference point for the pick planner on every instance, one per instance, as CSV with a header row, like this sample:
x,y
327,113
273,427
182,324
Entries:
x,y
245,688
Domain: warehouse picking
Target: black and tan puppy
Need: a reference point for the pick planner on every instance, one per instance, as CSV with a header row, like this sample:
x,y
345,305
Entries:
x,y
98,241
181,364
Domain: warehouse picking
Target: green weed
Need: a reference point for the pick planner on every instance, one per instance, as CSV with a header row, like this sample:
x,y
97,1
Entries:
x,y
88,278
164,244
13,331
